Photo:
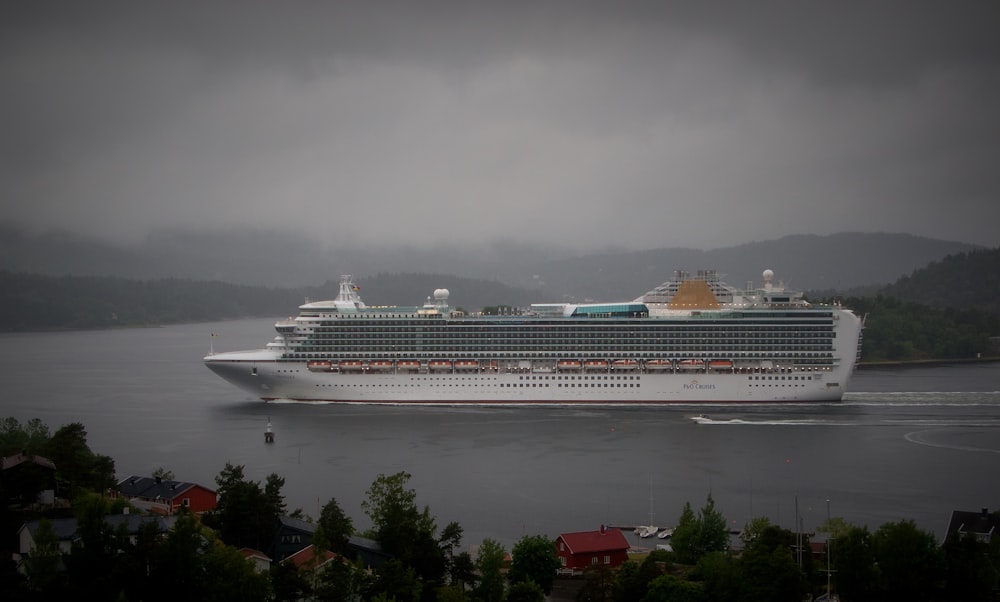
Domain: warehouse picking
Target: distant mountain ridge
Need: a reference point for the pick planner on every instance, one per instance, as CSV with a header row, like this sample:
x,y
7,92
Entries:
x,y
808,262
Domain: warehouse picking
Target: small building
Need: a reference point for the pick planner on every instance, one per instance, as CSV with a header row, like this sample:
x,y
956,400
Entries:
x,y
983,525
27,480
577,551
260,560
66,533
292,535
153,494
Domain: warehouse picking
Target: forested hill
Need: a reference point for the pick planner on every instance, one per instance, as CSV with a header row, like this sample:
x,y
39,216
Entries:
x,y
35,302
961,281
947,310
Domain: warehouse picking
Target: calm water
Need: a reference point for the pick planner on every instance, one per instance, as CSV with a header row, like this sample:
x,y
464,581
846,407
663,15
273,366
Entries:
x,y
912,443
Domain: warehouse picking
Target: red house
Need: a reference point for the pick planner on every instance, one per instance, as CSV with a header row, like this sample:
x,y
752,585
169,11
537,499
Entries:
x,y
166,497
578,551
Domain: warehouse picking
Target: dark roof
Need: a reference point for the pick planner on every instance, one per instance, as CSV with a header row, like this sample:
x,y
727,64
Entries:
x,y
606,540
296,524
980,523
65,528
154,488
21,458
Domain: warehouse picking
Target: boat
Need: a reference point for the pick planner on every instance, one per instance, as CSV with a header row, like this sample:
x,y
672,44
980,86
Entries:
x,y
573,365
692,339
648,531
657,364
665,533
440,366
691,365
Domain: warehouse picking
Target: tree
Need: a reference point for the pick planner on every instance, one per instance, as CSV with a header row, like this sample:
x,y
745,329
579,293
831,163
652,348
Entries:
x,y
534,559
685,537
909,561
246,515
599,583
971,568
696,536
490,564
29,438
77,467
670,588
854,565
405,532
525,591
42,564
333,529
341,581
769,568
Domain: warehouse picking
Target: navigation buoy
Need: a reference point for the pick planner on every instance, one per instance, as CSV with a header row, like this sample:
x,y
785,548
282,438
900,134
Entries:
x,y
268,433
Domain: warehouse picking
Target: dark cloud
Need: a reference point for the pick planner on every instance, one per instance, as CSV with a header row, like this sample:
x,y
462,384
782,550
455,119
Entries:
x,y
587,124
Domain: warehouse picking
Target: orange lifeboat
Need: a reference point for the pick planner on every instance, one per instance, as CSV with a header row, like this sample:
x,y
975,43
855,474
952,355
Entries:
x,y
657,364
691,364
722,365
380,366
350,365
595,365
466,365
624,364
439,365
407,366
319,366
568,364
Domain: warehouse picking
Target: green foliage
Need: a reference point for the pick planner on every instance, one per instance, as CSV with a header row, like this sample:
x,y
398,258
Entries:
x,y
405,532
77,467
854,564
534,559
490,562
972,568
525,591
770,566
341,581
670,588
333,529
246,514
898,331
599,582
696,536
15,437
908,560
35,302
42,565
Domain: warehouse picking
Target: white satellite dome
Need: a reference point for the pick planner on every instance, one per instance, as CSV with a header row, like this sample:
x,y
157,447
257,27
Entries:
x,y
441,294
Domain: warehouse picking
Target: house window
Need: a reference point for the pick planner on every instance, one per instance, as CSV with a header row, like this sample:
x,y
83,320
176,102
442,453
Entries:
x,y
562,546
186,502
593,561
607,560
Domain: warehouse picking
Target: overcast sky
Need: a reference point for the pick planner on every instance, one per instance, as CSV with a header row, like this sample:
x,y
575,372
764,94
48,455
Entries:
x,y
588,124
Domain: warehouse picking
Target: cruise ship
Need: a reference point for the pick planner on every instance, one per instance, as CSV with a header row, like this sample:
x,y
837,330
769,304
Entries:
x,y
693,339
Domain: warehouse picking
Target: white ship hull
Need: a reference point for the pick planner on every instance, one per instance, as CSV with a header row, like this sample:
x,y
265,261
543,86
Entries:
x,y
270,380
673,346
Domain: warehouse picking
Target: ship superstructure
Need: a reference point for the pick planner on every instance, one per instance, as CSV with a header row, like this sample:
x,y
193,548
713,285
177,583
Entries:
x,y
693,339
